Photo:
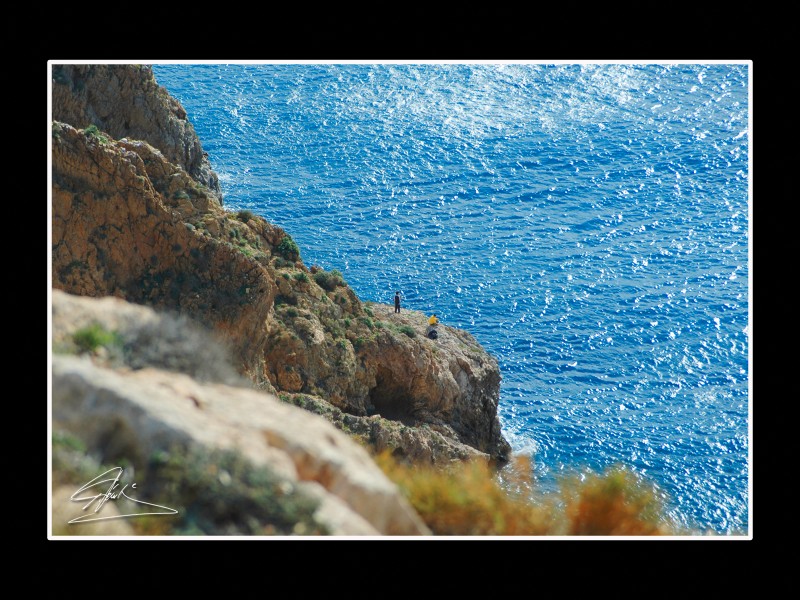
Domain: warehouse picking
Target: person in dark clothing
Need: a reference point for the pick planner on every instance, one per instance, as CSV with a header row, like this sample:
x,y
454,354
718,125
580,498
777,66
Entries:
x,y
397,302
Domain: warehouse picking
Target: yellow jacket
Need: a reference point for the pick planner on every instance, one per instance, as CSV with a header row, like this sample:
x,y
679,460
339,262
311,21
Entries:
x,y
433,320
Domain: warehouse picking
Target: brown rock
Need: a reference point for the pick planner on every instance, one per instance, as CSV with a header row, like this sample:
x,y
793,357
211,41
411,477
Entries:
x,y
115,234
138,218
126,102
421,444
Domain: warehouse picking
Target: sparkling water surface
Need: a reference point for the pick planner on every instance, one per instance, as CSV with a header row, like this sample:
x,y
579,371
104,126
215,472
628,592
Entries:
x,y
588,223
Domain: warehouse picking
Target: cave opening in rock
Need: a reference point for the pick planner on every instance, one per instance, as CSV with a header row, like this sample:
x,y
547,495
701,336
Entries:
x,y
390,400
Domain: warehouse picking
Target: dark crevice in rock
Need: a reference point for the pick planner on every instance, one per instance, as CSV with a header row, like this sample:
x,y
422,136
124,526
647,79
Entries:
x,y
390,400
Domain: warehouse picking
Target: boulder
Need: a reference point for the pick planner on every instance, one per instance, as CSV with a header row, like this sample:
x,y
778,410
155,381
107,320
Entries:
x,y
133,415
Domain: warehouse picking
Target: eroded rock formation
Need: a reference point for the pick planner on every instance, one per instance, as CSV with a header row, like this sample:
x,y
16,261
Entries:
x,y
125,101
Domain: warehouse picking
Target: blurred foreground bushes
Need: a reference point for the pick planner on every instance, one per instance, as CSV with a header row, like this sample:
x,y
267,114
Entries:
x,y
468,499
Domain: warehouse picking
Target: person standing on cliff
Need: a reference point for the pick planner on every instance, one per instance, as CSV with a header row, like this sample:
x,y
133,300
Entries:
x,y
397,302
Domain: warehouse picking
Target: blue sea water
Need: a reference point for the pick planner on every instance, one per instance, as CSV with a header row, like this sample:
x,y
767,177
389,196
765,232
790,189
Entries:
x,y
588,223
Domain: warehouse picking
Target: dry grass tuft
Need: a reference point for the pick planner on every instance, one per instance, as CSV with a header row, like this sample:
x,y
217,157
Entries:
x,y
615,503
468,499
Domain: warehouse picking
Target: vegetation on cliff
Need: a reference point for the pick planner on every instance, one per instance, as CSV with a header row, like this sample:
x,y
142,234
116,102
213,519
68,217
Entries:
x,y
214,492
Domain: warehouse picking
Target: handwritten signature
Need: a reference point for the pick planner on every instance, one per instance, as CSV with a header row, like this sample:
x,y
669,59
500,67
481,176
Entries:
x,y
114,492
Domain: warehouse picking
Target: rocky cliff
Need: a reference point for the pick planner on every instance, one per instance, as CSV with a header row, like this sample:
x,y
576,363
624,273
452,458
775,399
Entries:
x,y
126,101
137,213
229,459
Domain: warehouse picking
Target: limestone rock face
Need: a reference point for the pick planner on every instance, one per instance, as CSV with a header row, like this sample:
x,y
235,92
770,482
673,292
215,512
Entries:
x,y
126,101
134,217
132,415
422,444
115,234
450,382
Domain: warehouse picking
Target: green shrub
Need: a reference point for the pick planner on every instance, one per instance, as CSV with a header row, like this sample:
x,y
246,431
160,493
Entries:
x,y
323,280
94,336
406,329
329,280
245,215
67,440
301,277
214,492
288,248
220,492
93,132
